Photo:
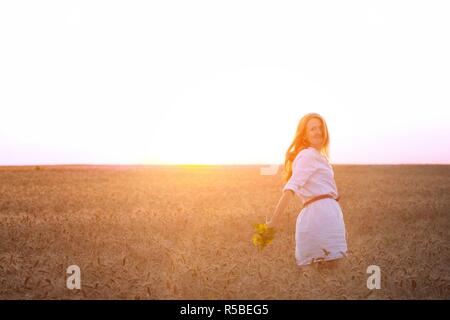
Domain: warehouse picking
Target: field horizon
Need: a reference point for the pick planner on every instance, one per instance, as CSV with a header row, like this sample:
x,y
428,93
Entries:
x,y
184,232
107,165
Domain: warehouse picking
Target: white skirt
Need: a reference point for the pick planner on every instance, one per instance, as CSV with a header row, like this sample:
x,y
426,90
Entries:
x,y
320,233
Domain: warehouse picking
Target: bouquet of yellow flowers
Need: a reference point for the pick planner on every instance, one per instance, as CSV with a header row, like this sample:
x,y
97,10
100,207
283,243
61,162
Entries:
x,y
263,236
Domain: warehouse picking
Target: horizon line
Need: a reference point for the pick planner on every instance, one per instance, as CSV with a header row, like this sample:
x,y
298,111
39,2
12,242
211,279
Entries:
x,y
205,165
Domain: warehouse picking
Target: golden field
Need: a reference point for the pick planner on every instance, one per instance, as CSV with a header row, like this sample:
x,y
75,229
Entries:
x,y
183,232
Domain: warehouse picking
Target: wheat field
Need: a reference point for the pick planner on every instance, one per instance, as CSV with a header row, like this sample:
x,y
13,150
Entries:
x,y
183,232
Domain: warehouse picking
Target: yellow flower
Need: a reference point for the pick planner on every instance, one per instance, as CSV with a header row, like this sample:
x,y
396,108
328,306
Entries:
x,y
260,228
263,236
257,239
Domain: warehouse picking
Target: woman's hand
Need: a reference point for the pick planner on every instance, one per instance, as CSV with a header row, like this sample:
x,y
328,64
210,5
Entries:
x,y
272,224
281,206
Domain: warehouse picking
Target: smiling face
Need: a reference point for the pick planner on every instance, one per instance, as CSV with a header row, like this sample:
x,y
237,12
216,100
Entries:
x,y
314,133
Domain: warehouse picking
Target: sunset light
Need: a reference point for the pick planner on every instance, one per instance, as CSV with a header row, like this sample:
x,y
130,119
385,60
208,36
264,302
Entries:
x,y
104,82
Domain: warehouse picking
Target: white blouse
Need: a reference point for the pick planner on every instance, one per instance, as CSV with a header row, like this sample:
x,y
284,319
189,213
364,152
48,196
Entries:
x,y
312,174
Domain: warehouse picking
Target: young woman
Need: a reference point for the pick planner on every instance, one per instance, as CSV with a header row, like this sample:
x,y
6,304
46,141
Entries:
x,y
320,230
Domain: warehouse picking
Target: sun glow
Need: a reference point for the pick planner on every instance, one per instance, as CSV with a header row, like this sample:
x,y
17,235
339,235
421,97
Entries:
x,y
105,82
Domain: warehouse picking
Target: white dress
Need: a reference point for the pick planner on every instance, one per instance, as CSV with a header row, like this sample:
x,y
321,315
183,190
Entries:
x,y
320,229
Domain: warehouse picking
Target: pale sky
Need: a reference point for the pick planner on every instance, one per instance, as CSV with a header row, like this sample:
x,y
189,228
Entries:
x,y
209,82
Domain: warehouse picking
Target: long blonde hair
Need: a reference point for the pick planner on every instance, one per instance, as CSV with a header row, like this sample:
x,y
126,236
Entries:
x,y
300,143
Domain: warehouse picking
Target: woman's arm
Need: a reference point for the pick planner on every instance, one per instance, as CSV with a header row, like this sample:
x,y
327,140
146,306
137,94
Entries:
x,y
281,206
303,167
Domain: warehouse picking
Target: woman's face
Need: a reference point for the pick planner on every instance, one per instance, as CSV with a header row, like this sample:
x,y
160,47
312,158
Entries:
x,y
314,133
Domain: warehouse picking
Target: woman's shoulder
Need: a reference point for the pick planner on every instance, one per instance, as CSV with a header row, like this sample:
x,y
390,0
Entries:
x,y
307,153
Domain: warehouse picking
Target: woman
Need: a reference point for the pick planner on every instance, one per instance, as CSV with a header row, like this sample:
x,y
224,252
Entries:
x,y
320,229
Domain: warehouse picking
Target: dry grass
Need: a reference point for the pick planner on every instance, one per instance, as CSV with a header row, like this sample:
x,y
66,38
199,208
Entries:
x,y
184,233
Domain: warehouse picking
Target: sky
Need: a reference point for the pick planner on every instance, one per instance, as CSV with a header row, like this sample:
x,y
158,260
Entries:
x,y
209,82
